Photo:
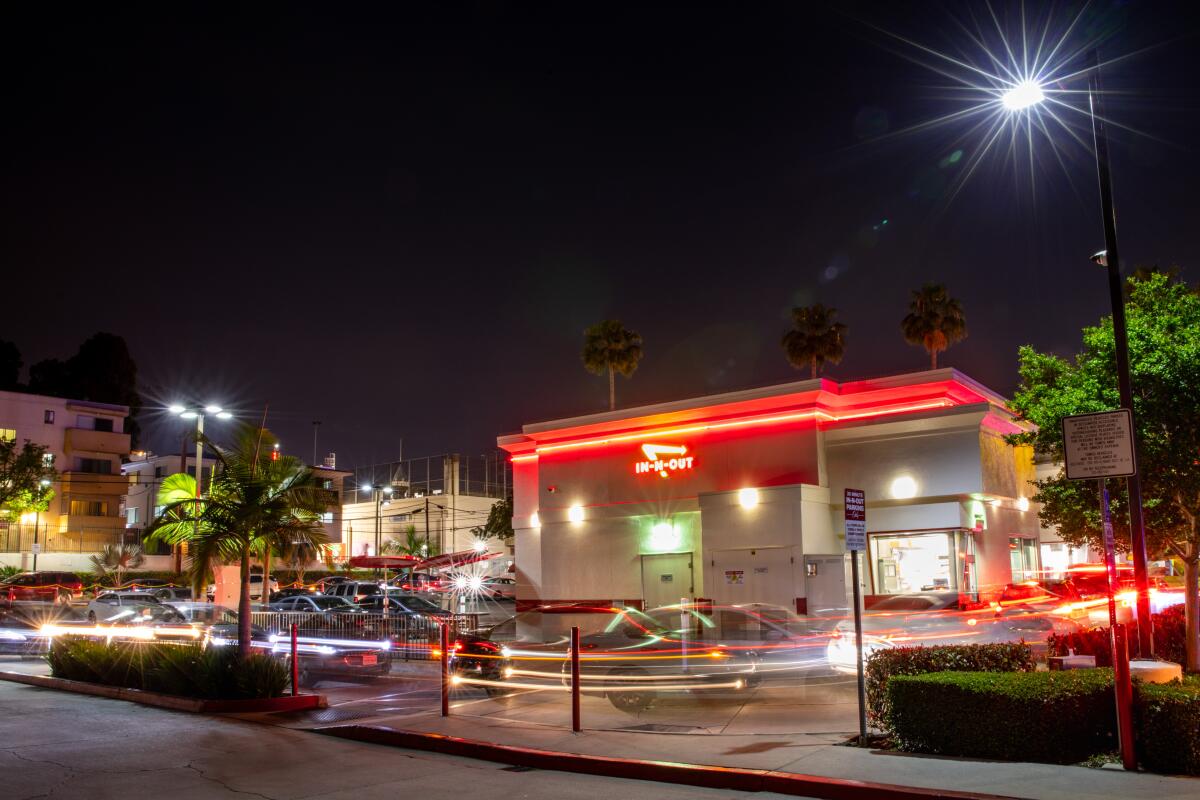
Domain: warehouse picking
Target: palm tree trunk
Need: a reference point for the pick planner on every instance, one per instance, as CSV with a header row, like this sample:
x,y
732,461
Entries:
x,y
933,359
1191,609
244,605
813,365
612,389
266,587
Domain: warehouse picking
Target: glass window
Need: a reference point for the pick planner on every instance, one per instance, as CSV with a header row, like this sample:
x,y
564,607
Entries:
x,y
923,562
8,434
48,416
96,466
104,424
327,517
1022,555
88,508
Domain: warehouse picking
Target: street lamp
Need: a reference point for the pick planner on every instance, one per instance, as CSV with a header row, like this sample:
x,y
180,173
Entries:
x,y
1018,98
37,522
197,412
377,491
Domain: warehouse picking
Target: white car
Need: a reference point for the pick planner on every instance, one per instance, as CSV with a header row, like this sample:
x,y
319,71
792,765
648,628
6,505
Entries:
x,y
127,608
256,588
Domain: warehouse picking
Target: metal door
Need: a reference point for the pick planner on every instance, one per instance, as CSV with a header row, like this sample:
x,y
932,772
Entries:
x,y
666,579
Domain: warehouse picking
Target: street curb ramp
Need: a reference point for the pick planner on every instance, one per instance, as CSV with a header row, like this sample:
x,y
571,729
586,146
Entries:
x,y
732,778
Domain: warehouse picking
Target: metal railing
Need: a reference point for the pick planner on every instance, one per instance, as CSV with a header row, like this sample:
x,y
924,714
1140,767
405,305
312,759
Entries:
x,y
15,538
412,637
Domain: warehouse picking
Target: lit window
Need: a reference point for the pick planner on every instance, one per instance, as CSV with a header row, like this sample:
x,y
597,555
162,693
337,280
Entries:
x,y
8,435
48,459
48,416
89,508
327,517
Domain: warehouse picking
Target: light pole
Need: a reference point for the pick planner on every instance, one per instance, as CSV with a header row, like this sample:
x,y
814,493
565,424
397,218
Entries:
x,y
197,413
1019,98
377,491
37,523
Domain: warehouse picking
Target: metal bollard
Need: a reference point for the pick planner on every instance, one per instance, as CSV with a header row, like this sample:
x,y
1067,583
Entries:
x,y
1124,696
295,663
445,670
575,690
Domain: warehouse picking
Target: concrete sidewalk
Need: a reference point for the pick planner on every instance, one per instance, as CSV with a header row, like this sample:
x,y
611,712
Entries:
x,y
819,755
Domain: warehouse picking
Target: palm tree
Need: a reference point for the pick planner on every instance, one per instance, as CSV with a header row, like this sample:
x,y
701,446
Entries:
x,y
117,559
412,545
252,502
610,347
814,338
935,321
298,555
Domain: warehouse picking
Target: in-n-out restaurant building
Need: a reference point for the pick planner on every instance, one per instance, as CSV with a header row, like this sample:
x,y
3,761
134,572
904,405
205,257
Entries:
x,y
738,497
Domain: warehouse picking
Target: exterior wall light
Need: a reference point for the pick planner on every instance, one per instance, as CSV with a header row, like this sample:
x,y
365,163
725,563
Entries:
x,y
534,520
575,514
903,488
665,536
1023,504
748,498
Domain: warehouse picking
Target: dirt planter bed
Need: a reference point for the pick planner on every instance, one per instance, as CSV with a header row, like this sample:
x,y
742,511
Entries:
x,y
301,702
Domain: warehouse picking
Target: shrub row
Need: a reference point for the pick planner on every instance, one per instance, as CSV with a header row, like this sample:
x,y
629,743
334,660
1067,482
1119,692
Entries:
x,y
1168,726
1058,717
1168,640
185,670
884,664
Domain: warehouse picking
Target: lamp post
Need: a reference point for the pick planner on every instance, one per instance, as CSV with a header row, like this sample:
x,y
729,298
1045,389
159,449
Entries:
x,y
37,523
1019,98
197,413
377,492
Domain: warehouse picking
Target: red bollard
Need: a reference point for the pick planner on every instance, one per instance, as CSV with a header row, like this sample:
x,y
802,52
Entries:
x,y
575,726
1124,691
445,670
295,664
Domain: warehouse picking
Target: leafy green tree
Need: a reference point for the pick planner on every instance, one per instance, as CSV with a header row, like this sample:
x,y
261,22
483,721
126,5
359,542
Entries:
x,y
116,560
499,522
10,366
935,320
412,544
253,501
22,472
1163,318
608,348
815,338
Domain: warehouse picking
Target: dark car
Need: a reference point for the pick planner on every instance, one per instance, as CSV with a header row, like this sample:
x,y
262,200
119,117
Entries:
x,y
44,587
403,603
292,591
20,627
157,587
626,652
924,618
316,604
355,591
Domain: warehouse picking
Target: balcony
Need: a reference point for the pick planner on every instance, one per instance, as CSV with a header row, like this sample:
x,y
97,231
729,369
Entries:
x,y
82,440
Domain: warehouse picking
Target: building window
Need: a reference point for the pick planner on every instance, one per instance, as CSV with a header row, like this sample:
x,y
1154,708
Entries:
x,y
1022,556
89,508
158,472
48,416
48,459
327,484
327,517
906,563
8,435
131,517
104,424
96,466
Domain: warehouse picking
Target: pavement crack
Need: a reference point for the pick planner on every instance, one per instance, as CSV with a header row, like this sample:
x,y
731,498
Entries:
x,y
225,785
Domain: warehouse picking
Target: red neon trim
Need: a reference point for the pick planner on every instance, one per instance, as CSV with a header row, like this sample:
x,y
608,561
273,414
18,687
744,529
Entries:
x,y
742,423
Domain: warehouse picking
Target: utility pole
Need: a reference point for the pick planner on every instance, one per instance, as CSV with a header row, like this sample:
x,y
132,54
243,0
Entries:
x,y
316,427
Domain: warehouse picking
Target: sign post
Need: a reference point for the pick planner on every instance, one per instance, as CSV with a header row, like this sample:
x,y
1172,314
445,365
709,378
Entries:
x,y
1098,447
856,541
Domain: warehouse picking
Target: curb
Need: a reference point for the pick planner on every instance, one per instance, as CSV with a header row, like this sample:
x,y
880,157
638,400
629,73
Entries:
x,y
711,777
302,702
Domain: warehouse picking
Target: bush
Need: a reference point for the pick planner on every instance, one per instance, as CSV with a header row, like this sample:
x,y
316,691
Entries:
x,y
1168,640
883,664
185,670
1168,725
1055,717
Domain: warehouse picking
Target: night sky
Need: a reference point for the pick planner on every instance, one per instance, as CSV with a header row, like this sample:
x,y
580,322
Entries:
x,y
400,221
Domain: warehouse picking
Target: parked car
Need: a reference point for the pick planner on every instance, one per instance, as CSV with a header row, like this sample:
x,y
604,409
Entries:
x,y
256,587
418,582
219,622
394,602
317,604
292,591
355,591
784,643
322,586
44,586
627,652
500,587
162,589
131,608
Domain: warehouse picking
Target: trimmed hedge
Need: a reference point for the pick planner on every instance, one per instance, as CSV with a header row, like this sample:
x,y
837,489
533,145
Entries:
x,y
1168,640
184,670
1055,717
883,664
1168,725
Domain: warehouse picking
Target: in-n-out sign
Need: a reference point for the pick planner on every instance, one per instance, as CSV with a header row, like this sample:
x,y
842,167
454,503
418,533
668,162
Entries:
x,y
663,459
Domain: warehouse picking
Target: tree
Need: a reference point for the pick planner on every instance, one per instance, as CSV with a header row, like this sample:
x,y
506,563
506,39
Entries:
x,y
412,545
10,366
1163,318
935,320
102,371
253,501
117,559
25,477
815,338
499,521
609,347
